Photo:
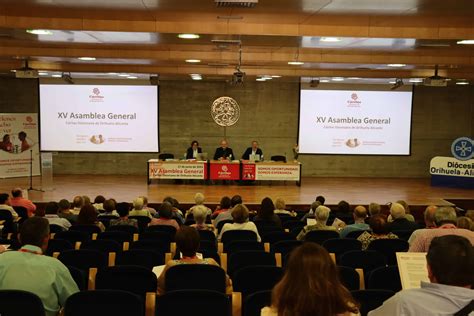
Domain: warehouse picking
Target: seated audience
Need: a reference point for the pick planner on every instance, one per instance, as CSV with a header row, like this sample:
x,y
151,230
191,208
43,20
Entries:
x,y
360,214
198,201
223,206
465,222
88,216
227,215
311,212
87,200
380,230
51,214
99,203
166,216
446,221
19,200
405,205
343,213
138,209
321,216
429,217
187,243
311,286
280,208
399,219
374,209
152,211
29,270
65,211
266,216
109,208
240,215
177,214
123,209
77,203
200,213
450,262
5,204
470,214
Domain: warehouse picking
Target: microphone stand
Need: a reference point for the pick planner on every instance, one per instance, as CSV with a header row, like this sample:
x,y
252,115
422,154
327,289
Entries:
x,y
31,174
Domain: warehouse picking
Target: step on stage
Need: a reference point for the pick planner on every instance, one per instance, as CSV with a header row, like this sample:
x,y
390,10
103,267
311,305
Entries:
x,y
353,190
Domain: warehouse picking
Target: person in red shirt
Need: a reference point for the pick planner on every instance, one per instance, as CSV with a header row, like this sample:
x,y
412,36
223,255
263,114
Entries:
x,y
19,200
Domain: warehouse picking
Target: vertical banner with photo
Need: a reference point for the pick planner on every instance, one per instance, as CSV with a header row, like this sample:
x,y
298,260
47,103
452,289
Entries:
x,y
18,143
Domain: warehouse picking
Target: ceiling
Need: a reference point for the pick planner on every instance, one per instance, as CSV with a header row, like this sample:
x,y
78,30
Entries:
x,y
140,37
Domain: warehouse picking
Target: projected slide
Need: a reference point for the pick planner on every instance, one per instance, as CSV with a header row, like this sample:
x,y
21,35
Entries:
x,y
355,122
99,118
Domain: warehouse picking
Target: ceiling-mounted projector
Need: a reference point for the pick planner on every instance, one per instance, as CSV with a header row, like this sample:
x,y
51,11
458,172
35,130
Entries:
x,y
435,81
26,72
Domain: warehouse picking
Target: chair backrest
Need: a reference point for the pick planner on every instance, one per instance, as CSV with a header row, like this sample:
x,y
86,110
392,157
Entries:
x,y
102,245
123,228
371,299
104,302
320,236
207,235
366,260
349,277
157,235
8,226
243,245
165,156
143,222
355,234
234,235
296,230
14,243
141,257
278,158
195,277
266,226
21,211
187,302
244,279
90,229
84,259
58,245
207,245
119,236
385,278
54,229
290,224
73,236
285,246
222,223
156,245
17,302
403,234
340,245
242,259
135,279
253,303
273,237
389,247
79,276
162,228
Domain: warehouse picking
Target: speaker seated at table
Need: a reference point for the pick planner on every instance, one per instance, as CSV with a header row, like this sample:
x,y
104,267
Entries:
x,y
193,151
224,152
253,152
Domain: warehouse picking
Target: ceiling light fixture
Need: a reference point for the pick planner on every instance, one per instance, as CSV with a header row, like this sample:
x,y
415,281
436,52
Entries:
x,y
295,63
42,73
330,39
466,42
354,78
396,65
132,77
189,36
324,80
462,83
337,79
56,76
415,80
39,32
193,61
123,75
276,76
87,58
260,79
196,76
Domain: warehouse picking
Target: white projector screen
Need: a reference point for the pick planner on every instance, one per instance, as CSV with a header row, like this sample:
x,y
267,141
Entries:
x,y
355,122
99,118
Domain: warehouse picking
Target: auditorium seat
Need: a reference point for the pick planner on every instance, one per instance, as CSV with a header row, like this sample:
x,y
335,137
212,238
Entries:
x,y
365,260
79,276
157,245
296,230
274,237
385,278
253,303
242,245
17,302
234,235
58,245
89,261
141,257
356,233
340,245
9,226
351,279
22,213
371,299
389,247
124,238
162,228
207,235
222,223
403,234
243,259
104,302
207,245
105,219
195,277
193,302
295,223
75,237
165,156
123,228
256,278
111,248
90,229
320,236
157,235
284,248
143,222
54,229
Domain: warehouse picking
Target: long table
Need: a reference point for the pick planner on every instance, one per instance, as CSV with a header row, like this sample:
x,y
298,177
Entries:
x,y
224,170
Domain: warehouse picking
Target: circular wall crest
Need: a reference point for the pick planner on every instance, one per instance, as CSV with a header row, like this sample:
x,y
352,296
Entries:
x,y
225,111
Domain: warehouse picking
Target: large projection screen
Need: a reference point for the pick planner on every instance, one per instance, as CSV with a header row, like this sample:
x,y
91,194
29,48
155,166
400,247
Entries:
x,y
99,118
355,122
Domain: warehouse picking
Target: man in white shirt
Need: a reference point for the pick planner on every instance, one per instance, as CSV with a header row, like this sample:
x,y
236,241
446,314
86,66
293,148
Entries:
x,y
450,269
5,204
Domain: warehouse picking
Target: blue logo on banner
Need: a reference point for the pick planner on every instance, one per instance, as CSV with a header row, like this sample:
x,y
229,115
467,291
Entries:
x,y
463,148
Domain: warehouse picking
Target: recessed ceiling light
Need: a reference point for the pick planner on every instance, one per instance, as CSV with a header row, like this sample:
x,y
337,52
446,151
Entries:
x,y
324,80
132,77
193,60
123,75
415,80
354,78
188,36
13,70
196,76
396,65
392,82
276,76
86,58
112,73
462,83
330,39
295,63
465,42
337,79
260,79
39,32
42,73
266,77
56,76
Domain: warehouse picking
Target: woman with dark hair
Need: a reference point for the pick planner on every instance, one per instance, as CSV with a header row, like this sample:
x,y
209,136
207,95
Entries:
x,y
187,243
109,208
88,216
123,209
311,286
194,150
99,203
380,230
223,206
166,216
266,214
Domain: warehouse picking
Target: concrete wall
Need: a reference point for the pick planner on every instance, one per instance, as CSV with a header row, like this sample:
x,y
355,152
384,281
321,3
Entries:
x,y
269,113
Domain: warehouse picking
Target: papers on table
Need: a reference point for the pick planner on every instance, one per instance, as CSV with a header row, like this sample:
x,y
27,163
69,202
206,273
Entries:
x,y
412,269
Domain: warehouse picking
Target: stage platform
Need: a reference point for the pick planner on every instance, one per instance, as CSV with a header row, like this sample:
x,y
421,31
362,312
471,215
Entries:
x,y
353,190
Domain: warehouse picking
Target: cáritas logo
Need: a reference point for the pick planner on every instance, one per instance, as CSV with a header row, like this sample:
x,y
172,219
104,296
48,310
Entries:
x,y
96,96
354,101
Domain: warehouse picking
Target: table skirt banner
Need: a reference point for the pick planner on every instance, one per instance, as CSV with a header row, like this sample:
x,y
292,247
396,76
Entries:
x,y
177,170
277,172
248,171
224,171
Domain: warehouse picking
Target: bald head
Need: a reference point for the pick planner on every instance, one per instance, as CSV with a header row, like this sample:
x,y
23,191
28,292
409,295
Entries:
x,y
360,213
397,211
430,216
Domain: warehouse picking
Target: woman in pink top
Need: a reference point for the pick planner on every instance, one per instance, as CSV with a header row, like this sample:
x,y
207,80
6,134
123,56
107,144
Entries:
x,y
166,213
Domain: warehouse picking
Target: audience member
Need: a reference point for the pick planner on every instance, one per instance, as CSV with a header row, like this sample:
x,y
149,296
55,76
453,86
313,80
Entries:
x,y
187,243
51,214
380,230
311,212
240,215
470,214
405,205
223,206
236,199
266,216
224,212
446,221
65,211
374,209
152,211
29,270
109,208
87,200
311,286
343,213
198,201
138,209
399,220
465,222
429,216
321,216
166,216
77,203
280,207
176,212
200,213
5,204
19,200
360,214
88,216
320,199
450,261
99,203
123,210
